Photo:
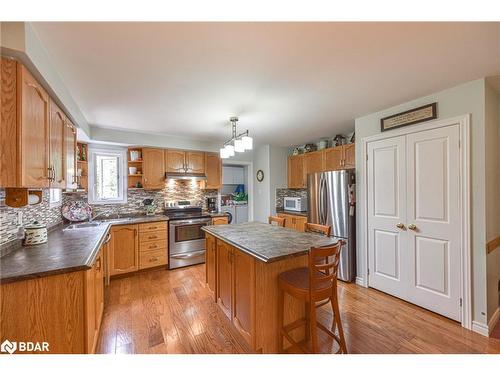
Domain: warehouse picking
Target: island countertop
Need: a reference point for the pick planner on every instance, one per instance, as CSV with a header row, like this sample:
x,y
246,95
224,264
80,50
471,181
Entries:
x,y
268,243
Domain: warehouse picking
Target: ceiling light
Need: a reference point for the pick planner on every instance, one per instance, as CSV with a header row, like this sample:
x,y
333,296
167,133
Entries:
x,y
229,150
239,146
247,142
238,142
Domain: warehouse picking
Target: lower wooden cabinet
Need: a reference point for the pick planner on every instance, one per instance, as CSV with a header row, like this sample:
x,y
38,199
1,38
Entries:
x,y
64,310
220,220
236,289
124,249
94,302
296,222
210,262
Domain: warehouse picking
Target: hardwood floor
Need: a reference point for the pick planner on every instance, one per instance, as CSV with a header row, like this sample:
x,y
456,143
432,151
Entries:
x,y
172,312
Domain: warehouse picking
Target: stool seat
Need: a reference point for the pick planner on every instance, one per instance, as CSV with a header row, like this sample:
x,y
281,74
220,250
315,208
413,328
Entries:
x,y
298,278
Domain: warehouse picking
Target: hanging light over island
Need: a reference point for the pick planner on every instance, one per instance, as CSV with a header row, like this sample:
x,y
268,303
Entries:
x,y
238,142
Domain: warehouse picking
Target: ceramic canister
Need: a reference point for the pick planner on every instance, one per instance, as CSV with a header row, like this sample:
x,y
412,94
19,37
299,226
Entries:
x,y
35,234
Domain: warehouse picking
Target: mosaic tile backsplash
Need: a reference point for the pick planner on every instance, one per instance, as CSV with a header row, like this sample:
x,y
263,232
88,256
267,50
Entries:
x,y
174,190
282,192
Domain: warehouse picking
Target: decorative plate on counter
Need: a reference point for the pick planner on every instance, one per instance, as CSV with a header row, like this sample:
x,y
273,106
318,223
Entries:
x,y
76,211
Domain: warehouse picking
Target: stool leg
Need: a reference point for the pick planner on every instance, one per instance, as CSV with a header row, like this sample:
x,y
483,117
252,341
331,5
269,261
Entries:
x,y
335,306
308,322
314,326
334,320
281,303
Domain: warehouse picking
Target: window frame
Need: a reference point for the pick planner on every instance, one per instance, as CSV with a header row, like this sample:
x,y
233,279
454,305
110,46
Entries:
x,y
121,153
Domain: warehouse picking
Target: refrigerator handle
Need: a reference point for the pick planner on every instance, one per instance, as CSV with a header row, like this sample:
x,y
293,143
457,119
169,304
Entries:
x,y
322,201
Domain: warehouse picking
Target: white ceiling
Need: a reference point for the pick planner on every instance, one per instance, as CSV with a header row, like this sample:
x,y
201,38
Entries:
x,y
289,82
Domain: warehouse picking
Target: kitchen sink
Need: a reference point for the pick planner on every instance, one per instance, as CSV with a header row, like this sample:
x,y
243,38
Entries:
x,y
82,225
117,220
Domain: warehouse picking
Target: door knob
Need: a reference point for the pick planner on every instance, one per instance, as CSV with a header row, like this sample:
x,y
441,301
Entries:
x,y
400,225
412,227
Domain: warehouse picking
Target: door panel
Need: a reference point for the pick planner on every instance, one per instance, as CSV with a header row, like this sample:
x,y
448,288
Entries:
x,y
124,256
175,161
349,156
224,292
314,162
56,147
243,296
34,132
333,158
387,209
296,176
195,162
153,168
213,170
434,208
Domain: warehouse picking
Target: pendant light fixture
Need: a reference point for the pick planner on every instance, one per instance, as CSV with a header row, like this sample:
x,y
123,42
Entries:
x,y
237,143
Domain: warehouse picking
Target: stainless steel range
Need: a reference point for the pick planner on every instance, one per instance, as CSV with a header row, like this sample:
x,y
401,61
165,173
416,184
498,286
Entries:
x,y
186,239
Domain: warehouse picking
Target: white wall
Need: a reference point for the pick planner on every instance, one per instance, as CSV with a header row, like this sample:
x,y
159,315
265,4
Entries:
x,y
459,100
278,160
492,156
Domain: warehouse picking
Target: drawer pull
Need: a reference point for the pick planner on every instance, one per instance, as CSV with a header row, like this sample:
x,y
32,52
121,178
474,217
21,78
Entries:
x,y
153,259
152,237
153,246
152,227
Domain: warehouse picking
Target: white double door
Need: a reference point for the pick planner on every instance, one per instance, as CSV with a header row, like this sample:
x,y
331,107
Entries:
x,y
414,218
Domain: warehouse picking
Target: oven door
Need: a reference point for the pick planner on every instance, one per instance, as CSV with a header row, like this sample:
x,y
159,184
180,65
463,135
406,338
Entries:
x,y
187,242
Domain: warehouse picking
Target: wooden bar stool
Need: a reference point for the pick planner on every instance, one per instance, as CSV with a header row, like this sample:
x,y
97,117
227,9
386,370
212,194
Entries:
x,y
275,220
318,228
316,285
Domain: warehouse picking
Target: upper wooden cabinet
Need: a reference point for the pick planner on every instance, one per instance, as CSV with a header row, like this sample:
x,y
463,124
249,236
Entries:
x,y
153,168
57,129
213,170
70,155
33,137
175,161
178,161
329,159
24,138
296,176
195,162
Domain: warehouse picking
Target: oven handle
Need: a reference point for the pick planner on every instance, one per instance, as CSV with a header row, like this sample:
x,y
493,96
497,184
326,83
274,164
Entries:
x,y
188,255
194,221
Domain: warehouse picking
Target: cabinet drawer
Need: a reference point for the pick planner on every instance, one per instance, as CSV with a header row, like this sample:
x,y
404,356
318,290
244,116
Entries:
x,y
153,236
153,245
152,258
150,227
220,220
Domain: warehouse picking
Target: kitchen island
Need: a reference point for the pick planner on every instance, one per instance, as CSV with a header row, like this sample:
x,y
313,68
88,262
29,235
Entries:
x,y
243,262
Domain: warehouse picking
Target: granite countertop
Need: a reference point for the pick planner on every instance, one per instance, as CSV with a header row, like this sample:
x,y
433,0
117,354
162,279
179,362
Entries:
x,y
283,211
65,251
268,243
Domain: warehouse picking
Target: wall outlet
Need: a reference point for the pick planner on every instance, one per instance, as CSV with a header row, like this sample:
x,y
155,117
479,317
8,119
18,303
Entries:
x,y
20,219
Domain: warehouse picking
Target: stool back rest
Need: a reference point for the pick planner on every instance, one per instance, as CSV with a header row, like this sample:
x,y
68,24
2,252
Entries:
x,y
275,220
325,260
318,228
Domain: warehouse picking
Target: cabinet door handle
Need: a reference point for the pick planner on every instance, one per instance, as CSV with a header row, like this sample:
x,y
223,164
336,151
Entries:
x,y
98,264
153,259
152,246
152,237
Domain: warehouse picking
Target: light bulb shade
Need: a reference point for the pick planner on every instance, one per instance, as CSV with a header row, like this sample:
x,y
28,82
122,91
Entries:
x,y
223,153
239,146
229,150
247,142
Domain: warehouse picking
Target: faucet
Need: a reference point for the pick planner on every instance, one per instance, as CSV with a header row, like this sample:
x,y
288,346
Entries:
x,y
99,214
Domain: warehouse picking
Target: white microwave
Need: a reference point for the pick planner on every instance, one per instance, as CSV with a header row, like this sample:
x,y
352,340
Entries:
x,y
294,204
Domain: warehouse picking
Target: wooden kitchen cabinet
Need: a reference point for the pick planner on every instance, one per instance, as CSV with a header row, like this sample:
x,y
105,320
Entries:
x,y
123,249
175,161
153,168
153,240
333,158
220,220
210,262
296,176
195,162
224,277
70,155
296,222
349,156
243,284
24,139
94,302
314,162
57,131
213,170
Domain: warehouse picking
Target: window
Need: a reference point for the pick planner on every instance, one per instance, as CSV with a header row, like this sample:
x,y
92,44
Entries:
x,y
106,176
54,197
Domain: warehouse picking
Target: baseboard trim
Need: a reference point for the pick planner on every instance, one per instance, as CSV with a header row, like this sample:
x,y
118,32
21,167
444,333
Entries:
x,y
494,320
360,281
480,328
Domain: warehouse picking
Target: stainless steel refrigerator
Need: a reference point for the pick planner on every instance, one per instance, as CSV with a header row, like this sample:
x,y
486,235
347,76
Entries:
x,y
331,201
